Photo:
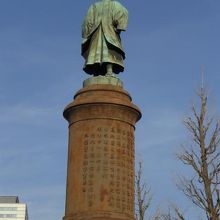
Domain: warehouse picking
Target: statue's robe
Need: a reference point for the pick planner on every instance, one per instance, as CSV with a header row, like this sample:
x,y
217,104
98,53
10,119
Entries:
x,y
101,37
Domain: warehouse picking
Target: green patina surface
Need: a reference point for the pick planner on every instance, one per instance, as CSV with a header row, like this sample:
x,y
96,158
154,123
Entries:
x,y
101,45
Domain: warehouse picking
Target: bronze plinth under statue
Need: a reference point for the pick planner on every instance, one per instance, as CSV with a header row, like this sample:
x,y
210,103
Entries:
x,y
102,118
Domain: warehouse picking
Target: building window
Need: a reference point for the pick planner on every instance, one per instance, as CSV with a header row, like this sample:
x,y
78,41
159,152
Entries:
x,y
8,216
8,208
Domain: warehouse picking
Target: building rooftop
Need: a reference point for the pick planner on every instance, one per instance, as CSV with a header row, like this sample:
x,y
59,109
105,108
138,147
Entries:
x,y
9,199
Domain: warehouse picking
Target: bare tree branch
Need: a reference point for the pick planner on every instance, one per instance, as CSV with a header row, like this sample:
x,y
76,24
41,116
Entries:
x,y
174,213
143,194
202,189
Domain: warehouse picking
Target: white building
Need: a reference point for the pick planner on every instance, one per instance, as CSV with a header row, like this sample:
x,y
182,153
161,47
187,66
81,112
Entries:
x,y
11,209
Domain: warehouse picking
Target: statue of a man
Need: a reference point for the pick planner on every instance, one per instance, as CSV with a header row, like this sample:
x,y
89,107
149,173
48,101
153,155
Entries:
x,y
101,46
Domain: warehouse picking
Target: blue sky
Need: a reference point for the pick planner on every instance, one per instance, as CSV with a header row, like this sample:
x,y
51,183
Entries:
x,y
166,44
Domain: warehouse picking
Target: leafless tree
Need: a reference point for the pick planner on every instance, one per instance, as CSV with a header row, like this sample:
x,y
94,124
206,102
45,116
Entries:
x,y
173,214
203,157
142,194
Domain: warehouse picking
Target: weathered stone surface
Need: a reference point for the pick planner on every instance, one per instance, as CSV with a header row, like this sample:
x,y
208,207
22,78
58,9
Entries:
x,y
112,80
100,176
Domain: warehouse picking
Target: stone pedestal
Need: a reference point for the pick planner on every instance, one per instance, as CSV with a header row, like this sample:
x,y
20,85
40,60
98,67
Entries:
x,y
100,174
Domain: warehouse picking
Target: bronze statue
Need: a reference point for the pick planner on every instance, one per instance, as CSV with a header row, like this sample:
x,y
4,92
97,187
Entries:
x,y
101,46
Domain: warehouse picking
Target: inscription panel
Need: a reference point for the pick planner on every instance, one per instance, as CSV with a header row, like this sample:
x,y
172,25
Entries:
x,y
108,168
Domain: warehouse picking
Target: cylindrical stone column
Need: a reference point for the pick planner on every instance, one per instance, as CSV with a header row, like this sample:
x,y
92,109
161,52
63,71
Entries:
x,y
100,173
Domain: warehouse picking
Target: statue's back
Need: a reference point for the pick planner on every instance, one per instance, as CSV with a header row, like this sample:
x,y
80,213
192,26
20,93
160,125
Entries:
x,y
101,37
